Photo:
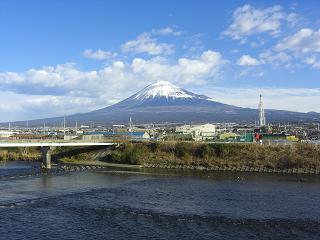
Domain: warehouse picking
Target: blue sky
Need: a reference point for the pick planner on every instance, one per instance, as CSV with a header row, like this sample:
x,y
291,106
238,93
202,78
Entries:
x,y
62,57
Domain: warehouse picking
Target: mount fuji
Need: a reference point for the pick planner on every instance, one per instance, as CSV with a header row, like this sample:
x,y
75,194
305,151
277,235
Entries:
x,y
164,102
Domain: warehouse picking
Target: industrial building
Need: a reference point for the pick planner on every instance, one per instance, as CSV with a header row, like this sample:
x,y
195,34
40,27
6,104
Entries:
x,y
198,132
116,135
7,133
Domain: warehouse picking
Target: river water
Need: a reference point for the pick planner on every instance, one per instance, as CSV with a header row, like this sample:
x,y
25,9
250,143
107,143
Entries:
x,y
118,204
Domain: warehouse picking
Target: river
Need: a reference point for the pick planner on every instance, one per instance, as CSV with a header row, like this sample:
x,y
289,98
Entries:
x,y
153,204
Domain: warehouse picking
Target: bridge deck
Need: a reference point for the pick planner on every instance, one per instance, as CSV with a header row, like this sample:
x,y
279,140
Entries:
x,y
53,144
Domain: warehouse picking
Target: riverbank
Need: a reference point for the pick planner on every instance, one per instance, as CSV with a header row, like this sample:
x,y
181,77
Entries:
x,y
20,154
296,158
96,163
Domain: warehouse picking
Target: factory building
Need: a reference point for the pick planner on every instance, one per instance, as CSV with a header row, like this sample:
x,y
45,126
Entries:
x,y
7,134
198,132
118,135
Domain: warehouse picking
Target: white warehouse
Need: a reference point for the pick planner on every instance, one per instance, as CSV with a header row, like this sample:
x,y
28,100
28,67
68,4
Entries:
x,y
198,132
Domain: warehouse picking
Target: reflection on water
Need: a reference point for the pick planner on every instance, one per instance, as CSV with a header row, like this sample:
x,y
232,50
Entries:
x,y
11,169
7,165
156,204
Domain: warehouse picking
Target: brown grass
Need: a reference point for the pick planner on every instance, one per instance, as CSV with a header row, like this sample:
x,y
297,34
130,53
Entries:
x,y
229,155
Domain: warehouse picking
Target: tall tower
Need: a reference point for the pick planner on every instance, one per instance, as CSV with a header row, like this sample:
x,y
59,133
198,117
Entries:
x,y
64,125
130,125
262,118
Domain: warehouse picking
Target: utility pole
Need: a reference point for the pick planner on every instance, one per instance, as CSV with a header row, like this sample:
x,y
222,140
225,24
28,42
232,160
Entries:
x,y
76,127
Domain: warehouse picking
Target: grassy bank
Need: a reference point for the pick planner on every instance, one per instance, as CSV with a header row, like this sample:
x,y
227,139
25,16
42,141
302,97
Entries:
x,y
218,155
19,154
184,154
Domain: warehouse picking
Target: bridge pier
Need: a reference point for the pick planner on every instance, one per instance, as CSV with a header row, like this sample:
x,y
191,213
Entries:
x,y
46,157
47,147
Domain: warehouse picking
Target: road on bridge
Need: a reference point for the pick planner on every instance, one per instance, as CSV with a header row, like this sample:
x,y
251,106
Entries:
x,y
47,146
54,144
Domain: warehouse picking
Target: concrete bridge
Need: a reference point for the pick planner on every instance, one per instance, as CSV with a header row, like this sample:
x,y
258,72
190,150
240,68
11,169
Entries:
x,y
47,147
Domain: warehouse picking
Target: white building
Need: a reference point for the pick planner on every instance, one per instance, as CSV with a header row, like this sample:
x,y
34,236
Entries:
x,y
198,132
69,137
7,134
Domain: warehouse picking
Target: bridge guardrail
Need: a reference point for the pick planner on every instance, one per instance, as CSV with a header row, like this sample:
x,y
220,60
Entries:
x,y
51,141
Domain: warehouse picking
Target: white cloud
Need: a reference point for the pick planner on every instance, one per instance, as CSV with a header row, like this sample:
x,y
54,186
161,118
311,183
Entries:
x,y
11,77
144,43
19,106
117,75
258,43
248,21
267,57
304,46
313,61
185,71
194,43
166,31
98,54
304,41
64,89
250,72
274,58
65,78
246,60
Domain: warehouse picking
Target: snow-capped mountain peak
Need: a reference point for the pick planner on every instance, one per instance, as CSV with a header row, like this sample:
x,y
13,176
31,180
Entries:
x,y
164,89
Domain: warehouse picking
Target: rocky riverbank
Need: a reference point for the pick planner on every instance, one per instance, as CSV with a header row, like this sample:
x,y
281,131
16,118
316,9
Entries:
x,y
310,171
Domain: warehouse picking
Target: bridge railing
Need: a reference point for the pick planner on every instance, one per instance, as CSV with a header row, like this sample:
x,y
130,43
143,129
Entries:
x,y
51,141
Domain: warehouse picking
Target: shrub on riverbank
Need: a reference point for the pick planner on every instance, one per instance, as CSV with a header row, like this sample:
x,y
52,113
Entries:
x,y
19,153
185,154
220,155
